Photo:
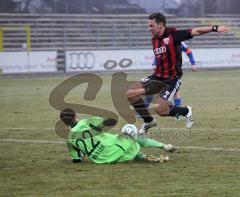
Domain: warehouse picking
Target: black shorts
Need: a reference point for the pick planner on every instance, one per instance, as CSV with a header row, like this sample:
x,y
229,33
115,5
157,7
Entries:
x,y
166,88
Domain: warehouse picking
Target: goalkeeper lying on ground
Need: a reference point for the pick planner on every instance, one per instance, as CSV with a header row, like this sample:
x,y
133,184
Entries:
x,y
87,138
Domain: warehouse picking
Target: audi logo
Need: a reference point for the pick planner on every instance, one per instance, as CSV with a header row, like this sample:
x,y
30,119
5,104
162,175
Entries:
x,y
159,50
82,60
123,63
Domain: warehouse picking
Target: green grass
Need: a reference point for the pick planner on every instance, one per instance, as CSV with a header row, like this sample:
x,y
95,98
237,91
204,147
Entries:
x,y
44,169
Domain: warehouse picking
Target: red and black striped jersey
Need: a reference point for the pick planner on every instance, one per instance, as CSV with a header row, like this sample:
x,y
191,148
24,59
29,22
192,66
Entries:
x,y
168,53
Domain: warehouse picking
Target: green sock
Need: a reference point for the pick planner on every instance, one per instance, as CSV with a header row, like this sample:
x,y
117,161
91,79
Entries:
x,y
147,142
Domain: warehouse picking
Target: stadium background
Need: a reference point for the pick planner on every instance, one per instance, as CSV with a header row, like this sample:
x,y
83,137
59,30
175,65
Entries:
x,y
43,43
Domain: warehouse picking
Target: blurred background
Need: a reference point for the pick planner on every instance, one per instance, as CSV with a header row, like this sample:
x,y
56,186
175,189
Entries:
x,y
181,8
66,36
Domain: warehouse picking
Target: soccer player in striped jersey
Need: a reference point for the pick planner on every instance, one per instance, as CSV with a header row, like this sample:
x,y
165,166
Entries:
x,y
177,99
87,138
166,78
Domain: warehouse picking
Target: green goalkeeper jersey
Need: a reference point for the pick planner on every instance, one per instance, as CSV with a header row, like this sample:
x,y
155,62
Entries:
x,y
87,138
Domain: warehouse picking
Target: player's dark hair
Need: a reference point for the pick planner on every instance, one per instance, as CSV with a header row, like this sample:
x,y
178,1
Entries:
x,y
159,18
68,116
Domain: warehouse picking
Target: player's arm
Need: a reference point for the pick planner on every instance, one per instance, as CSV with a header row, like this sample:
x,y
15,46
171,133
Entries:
x,y
189,53
181,35
191,59
215,28
98,123
75,154
154,63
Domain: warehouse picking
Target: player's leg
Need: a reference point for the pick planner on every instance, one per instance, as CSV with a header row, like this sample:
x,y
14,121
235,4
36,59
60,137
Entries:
x,y
152,85
164,107
132,151
177,100
148,100
133,95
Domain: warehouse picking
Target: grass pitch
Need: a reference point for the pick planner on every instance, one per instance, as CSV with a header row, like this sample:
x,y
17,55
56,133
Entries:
x,y
35,162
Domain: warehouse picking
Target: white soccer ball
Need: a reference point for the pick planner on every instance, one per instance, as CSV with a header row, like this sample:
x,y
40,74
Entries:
x,y
130,129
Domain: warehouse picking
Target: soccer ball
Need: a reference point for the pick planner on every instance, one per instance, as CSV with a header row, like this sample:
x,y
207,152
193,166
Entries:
x,y
130,129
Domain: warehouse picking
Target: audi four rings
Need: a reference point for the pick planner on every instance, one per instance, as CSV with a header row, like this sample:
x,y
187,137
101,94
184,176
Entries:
x,y
82,60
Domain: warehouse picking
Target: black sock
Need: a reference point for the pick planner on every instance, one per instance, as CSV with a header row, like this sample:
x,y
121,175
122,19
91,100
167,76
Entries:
x,y
178,111
140,108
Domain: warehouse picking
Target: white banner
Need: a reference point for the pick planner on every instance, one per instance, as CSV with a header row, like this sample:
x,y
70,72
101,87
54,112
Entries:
x,y
109,60
77,61
214,58
32,62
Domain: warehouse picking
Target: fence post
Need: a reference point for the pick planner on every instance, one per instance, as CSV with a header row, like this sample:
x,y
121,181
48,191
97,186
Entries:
x,y
1,39
28,31
64,48
113,35
97,37
130,35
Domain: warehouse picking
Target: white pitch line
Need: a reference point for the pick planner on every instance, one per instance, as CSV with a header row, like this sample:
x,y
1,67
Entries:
x,y
215,98
32,141
209,148
202,129
63,142
169,128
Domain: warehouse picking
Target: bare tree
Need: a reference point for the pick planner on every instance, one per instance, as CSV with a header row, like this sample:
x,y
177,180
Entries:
x,y
25,8
7,6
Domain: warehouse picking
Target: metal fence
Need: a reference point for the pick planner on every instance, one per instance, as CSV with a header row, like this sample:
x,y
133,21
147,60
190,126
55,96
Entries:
x,y
62,32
